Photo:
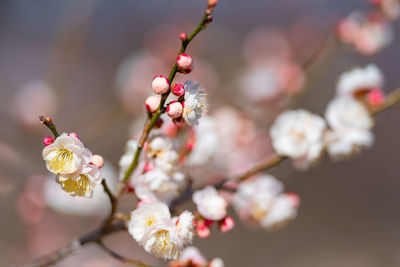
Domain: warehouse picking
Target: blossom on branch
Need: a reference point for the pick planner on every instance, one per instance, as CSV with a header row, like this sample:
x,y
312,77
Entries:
x,y
261,201
209,204
153,228
298,134
195,103
66,155
360,80
350,124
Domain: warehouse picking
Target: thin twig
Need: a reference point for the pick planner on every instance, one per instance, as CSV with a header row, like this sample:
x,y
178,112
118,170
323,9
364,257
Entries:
x,y
120,257
50,124
75,246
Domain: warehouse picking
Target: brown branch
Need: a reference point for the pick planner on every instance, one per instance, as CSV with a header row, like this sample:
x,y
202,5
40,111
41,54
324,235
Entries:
x,y
76,245
48,122
120,257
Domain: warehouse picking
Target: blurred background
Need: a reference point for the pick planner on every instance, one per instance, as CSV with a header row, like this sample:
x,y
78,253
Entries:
x,y
89,64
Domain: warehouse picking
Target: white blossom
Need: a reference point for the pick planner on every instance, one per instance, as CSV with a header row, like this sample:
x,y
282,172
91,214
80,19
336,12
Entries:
x,y
298,135
195,103
209,204
358,79
351,126
152,227
81,183
66,155
146,216
99,204
261,201
206,141
158,185
190,255
282,210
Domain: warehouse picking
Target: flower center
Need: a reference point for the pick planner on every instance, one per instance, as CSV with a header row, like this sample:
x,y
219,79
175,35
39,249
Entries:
x,y
78,187
62,162
163,244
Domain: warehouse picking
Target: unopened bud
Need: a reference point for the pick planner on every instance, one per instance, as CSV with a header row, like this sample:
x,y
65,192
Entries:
x,y
48,140
175,109
227,224
375,98
160,85
98,161
184,62
203,231
183,36
178,89
212,3
152,103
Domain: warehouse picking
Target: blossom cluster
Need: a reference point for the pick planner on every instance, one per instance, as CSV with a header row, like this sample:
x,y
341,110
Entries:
x,y
346,129
74,164
152,226
370,32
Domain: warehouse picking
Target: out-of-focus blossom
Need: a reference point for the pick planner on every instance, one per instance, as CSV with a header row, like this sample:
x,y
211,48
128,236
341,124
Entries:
x,y
270,80
195,103
282,210
367,33
152,227
261,201
133,78
81,183
99,204
209,204
158,185
127,157
191,256
66,155
360,80
206,141
390,8
33,99
152,103
351,126
298,135
217,262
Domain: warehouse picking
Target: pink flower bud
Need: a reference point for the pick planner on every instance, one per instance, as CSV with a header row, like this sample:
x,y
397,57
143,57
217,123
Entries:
x,y
175,109
48,140
226,224
183,36
184,61
74,135
294,198
98,161
203,231
178,89
212,3
148,167
160,85
375,98
152,103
